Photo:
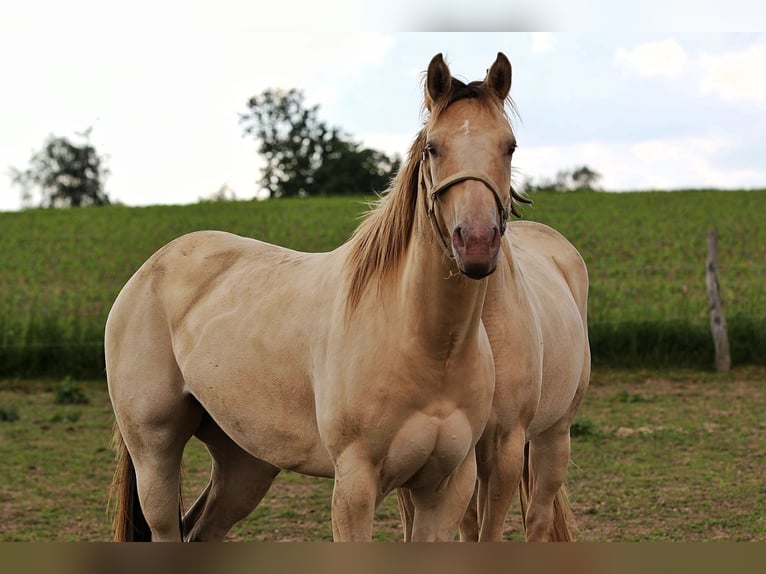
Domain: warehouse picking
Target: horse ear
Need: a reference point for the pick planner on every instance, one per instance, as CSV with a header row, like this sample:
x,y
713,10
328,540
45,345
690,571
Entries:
x,y
499,77
438,81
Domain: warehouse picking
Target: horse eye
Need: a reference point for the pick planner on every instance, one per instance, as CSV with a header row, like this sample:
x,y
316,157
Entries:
x,y
511,148
431,149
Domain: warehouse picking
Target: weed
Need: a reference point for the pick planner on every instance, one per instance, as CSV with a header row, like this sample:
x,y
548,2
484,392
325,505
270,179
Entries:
x,y
583,428
70,417
626,397
70,394
8,414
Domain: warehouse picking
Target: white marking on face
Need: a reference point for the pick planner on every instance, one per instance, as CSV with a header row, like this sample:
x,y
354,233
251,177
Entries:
x,y
466,127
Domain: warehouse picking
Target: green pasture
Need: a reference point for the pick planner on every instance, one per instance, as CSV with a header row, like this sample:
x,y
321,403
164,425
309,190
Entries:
x,y
60,269
672,455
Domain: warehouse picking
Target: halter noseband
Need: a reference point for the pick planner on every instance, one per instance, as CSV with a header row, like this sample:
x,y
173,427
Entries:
x,y
434,191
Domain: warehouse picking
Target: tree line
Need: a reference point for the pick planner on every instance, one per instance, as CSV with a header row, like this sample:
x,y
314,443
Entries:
x,y
581,178
304,157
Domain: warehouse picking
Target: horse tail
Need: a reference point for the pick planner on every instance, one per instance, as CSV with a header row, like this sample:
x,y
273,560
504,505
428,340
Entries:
x,y
563,518
525,487
129,523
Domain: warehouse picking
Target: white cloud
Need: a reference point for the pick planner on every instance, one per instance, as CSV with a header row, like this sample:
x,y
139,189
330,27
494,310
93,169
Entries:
x,y
666,58
736,76
542,42
672,163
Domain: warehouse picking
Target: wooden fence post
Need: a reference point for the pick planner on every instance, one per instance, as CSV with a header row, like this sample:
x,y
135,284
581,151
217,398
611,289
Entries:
x,y
717,318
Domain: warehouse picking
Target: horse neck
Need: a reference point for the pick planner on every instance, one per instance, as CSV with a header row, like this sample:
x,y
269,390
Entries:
x,y
439,303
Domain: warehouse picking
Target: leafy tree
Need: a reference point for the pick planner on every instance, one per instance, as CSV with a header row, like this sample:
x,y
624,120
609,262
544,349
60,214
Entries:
x,y
585,178
66,173
306,157
348,168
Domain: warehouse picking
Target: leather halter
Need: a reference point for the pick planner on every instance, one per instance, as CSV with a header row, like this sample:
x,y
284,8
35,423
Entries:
x,y
433,192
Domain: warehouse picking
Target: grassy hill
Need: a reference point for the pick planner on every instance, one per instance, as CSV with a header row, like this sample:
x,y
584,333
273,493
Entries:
x,y
60,270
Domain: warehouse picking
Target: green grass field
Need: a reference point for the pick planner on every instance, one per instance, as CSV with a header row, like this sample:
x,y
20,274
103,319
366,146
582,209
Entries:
x,y
60,270
663,451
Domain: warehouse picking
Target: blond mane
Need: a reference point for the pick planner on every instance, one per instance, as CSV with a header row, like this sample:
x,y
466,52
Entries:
x,y
380,242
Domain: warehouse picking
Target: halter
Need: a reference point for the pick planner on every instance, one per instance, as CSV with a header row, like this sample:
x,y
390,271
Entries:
x,y
433,191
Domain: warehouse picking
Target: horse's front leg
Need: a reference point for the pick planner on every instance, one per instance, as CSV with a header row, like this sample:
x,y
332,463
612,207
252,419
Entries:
x,y
354,496
440,509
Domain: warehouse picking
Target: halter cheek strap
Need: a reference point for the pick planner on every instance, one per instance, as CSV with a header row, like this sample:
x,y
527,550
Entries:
x,y
434,191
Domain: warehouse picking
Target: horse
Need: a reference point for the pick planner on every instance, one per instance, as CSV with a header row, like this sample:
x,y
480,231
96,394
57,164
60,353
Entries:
x,y
369,364
535,314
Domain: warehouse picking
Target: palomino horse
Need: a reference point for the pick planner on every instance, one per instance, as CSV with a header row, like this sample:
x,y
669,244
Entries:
x,y
535,316
369,364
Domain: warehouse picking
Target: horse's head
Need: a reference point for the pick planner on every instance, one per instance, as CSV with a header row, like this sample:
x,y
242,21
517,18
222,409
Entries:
x,y
466,163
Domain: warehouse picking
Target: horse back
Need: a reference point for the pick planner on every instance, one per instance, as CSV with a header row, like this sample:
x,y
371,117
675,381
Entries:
x,y
205,272
177,288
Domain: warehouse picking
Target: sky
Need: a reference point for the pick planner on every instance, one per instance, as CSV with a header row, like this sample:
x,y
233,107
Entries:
x,y
645,96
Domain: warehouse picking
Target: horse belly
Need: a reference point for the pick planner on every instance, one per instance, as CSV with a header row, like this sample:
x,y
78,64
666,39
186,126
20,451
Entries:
x,y
427,449
562,372
552,408
267,411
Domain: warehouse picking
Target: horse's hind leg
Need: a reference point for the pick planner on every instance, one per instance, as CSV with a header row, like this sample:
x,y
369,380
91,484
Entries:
x,y
156,441
237,484
549,515
549,458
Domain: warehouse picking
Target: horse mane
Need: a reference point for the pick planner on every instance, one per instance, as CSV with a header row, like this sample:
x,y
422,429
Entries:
x,y
380,242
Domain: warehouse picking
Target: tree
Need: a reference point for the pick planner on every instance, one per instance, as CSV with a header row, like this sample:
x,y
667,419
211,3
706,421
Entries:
x,y
579,179
223,193
348,168
585,178
67,174
306,157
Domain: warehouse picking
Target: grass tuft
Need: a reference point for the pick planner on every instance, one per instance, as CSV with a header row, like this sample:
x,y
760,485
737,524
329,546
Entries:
x,y
69,393
583,428
8,414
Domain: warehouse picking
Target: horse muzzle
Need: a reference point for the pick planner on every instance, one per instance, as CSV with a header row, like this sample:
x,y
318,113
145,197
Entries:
x,y
476,248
